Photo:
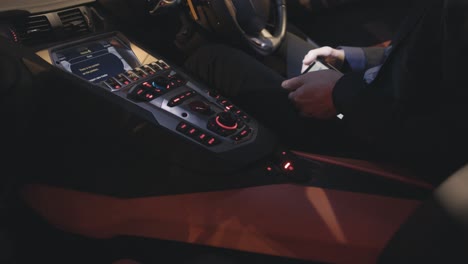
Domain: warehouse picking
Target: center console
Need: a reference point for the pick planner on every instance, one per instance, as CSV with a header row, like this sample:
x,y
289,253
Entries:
x,y
209,134
199,115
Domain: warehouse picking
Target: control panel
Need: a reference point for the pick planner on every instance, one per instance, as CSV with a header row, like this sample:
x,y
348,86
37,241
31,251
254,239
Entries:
x,y
200,115
149,86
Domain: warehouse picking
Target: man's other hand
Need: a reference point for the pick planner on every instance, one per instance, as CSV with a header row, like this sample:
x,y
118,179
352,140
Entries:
x,y
334,57
312,93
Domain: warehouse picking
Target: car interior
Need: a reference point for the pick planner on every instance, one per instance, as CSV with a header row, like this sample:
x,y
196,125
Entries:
x,y
115,154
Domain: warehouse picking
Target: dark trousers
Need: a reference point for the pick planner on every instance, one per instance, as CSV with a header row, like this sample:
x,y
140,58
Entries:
x,y
256,89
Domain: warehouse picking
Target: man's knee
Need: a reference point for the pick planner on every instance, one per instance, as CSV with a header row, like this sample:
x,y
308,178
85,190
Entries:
x,y
213,53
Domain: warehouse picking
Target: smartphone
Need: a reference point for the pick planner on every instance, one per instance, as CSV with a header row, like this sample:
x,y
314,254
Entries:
x,y
318,65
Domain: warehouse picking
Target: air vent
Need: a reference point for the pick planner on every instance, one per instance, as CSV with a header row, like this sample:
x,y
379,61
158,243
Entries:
x,y
34,29
74,22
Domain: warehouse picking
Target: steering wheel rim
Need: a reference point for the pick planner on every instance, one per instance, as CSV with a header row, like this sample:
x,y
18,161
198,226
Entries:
x,y
262,41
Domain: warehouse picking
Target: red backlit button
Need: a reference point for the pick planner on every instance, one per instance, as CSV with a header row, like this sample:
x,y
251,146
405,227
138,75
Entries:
x,y
224,102
229,107
170,85
243,134
143,93
183,127
175,101
288,166
179,99
192,131
202,137
246,118
211,141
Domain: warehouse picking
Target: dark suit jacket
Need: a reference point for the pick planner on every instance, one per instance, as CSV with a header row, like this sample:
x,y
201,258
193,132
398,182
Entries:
x,y
416,108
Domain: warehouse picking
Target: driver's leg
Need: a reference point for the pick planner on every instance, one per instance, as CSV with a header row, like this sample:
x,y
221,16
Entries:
x,y
257,89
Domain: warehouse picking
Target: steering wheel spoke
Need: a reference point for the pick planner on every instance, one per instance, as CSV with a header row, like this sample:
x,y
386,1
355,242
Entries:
x,y
265,41
266,34
159,5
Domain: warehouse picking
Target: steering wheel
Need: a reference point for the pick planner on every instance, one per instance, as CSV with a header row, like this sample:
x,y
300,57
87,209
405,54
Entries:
x,y
260,23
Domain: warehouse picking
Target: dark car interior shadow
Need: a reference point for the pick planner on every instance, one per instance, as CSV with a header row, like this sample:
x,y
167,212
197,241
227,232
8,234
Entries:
x,y
352,23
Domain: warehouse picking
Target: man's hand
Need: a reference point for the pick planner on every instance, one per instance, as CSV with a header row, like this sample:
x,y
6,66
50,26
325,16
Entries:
x,y
312,93
332,56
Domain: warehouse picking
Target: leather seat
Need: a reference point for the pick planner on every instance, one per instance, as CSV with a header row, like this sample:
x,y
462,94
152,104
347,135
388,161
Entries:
x,y
437,232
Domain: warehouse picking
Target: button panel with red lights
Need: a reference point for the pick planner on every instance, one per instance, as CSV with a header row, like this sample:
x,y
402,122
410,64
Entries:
x,y
198,134
212,119
157,86
198,114
143,72
168,112
180,98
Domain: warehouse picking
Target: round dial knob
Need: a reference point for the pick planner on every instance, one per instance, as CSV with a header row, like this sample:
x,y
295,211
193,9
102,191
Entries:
x,y
160,82
227,121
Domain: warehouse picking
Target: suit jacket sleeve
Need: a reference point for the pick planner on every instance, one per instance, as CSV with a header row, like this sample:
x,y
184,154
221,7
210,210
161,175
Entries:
x,y
360,59
374,56
416,108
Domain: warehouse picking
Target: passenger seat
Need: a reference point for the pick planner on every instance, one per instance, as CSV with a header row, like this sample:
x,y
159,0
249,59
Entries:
x,y
437,232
